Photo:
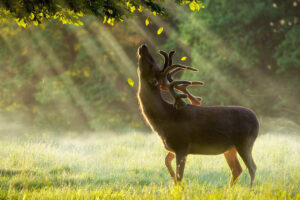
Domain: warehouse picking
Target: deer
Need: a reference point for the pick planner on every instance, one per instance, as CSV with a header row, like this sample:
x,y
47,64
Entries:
x,y
189,128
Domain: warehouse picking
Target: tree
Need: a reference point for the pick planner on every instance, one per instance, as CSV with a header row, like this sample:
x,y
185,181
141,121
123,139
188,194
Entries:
x,y
50,80
70,11
248,54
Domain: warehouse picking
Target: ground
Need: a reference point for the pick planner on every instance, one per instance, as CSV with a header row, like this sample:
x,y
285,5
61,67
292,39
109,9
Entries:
x,y
131,166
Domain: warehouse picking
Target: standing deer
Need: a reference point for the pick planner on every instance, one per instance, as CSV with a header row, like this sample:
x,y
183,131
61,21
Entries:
x,y
191,129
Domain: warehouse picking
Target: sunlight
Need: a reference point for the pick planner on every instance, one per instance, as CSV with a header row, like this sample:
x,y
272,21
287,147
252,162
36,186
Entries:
x,y
39,41
208,67
109,43
76,119
205,64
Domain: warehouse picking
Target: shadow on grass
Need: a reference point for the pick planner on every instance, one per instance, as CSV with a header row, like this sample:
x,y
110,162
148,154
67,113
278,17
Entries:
x,y
130,178
11,172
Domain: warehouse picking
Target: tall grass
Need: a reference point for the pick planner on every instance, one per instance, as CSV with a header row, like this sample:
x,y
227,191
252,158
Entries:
x,y
131,166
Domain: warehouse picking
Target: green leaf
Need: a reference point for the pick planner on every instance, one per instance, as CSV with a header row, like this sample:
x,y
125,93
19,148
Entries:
x,y
31,16
147,21
132,9
192,6
160,30
36,23
195,6
130,82
140,9
183,58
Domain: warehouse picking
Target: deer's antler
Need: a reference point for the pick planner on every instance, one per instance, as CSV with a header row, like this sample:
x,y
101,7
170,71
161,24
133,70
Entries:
x,y
166,59
169,84
194,100
171,54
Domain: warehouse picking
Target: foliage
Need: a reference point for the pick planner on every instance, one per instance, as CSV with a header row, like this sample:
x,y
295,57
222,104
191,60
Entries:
x,y
57,82
57,76
131,166
247,53
287,53
69,11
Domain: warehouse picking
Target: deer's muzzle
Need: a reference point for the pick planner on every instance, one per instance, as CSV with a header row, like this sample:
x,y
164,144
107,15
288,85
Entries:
x,y
143,50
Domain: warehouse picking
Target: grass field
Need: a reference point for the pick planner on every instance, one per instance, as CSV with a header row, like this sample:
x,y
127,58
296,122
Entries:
x,y
131,166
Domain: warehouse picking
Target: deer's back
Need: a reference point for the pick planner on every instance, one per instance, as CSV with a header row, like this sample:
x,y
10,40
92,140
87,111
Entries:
x,y
208,130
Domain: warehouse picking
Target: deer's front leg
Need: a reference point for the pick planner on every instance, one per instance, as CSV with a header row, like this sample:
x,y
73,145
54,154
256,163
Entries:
x,y
168,162
180,163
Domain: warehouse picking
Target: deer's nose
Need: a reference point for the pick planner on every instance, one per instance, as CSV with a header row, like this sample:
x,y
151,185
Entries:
x,y
144,46
143,49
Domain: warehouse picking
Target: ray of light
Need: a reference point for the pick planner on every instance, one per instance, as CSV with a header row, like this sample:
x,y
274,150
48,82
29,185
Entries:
x,y
56,64
217,74
108,42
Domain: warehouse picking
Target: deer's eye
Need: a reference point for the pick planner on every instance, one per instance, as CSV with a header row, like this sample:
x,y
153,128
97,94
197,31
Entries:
x,y
153,82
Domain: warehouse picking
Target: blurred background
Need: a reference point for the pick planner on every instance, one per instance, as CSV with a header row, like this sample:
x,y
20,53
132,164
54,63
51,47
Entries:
x,y
68,78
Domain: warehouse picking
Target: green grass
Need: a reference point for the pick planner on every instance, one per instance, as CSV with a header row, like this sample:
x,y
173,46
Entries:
x,y
131,166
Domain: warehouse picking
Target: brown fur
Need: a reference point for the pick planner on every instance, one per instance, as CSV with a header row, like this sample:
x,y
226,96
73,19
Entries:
x,y
206,130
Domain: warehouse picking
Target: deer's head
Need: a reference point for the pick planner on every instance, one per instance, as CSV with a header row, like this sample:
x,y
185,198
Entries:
x,y
148,70
150,73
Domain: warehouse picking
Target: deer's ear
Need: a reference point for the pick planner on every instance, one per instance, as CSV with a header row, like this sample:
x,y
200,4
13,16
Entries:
x,y
153,82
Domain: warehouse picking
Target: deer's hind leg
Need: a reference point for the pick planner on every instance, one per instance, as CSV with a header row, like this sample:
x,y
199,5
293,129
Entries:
x,y
246,154
234,164
168,162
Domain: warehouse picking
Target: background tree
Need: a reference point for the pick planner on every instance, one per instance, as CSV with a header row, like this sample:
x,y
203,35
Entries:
x,y
248,54
69,11
67,77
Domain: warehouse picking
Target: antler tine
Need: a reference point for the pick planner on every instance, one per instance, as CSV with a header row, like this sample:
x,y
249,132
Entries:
x,y
193,83
166,59
170,79
169,75
182,85
183,67
174,83
183,88
179,103
171,54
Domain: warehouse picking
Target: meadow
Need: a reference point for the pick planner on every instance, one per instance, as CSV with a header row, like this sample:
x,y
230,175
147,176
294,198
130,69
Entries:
x,y
131,166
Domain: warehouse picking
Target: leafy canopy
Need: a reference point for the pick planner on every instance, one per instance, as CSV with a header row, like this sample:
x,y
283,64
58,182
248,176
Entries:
x,y
69,11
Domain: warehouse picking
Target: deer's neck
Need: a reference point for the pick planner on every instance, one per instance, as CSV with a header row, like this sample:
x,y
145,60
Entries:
x,y
154,108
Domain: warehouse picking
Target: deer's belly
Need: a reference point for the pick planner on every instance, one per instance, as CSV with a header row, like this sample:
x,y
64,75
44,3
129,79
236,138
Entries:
x,y
208,149
167,146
